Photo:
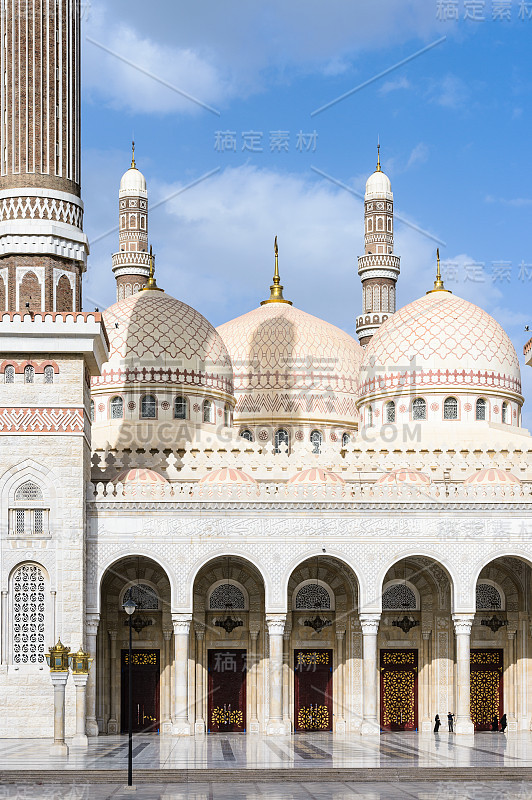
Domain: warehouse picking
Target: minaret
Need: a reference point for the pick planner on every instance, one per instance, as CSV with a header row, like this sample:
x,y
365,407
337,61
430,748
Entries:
x,y
43,250
378,267
131,265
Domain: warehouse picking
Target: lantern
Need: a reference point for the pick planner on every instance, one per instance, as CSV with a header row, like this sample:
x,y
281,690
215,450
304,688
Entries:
x,y
57,659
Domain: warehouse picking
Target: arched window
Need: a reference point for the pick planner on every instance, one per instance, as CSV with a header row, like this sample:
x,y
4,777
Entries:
x,y
281,440
148,407
29,517
384,296
227,415
488,597
316,439
419,409
49,374
28,491
376,298
505,412
63,295
450,408
92,411
29,608
480,409
246,434
29,374
144,597
9,374
390,411
117,408
180,408
370,416
345,439
391,299
312,596
208,411
399,596
227,595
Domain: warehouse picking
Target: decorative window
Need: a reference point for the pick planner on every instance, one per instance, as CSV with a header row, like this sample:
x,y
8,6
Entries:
x,y
419,409
376,298
391,299
312,596
370,224
370,416
450,408
345,439
480,409
117,408
92,411
399,596
9,374
281,440
227,415
148,407
28,491
28,615
316,439
180,408
384,296
246,434
390,411
227,595
29,374
488,597
25,519
144,597
208,411
49,374
505,412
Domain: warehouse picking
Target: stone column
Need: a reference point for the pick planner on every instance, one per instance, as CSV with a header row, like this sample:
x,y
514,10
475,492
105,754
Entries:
x,y
181,623
4,628
286,681
80,738
59,681
112,724
166,726
426,721
199,725
92,622
276,623
340,724
462,628
253,677
510,687
370,628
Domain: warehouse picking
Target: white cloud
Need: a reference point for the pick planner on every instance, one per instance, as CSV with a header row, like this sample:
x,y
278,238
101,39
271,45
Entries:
x,y
450,92
395,84
419,155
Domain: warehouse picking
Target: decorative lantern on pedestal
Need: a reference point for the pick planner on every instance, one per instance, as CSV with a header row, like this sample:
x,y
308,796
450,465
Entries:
x,y
80,662
58,658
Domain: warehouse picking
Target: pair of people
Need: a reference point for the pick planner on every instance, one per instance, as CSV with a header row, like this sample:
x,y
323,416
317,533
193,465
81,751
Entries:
x,y
495,723
450,722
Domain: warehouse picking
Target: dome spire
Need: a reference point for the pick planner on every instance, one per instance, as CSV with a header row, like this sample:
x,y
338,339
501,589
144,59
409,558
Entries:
x,y
133,165
151,284
276,290
438,283
378,168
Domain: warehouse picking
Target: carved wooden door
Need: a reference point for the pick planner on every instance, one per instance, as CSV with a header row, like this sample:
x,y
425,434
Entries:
x,y
398,669
486,687
145,683
227,691
313,690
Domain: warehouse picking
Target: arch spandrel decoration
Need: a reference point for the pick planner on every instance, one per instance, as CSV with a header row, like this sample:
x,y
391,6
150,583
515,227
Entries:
x,y
312,596
488,597
144,597
399,596
227,595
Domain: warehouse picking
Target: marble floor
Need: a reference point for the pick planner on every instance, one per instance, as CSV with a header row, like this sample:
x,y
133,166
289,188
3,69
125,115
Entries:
x,y
448,790
312,751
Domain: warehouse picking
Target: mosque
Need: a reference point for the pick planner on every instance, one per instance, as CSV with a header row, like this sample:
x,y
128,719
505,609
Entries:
x,y
318,533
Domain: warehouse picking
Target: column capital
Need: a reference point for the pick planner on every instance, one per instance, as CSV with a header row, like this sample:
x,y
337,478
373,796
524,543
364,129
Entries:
x,y
275,623
112,634
81,678
59,678
92,621
167,634
463,624
254,633
199,630
340,635
426,634
181,623
369,624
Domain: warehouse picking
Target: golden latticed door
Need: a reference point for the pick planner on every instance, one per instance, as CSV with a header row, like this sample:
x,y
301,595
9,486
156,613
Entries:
x,y
313,690
227,691
145,683
398,670
486,687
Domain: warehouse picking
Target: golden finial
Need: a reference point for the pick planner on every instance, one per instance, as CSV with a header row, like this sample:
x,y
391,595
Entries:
x,y
133,165
151,284
276,290
438,283
378,156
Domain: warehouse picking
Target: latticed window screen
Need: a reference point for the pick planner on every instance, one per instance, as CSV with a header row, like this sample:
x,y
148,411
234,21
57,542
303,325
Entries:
x,y
117,408
312,596
505,412
28,491
9,374
481,409
246,434
29,375
227,595
148,407
316,440
208,415
144,597
390,411
28,615
180,408
450,408
19,520
48,374
488,597
345,439
281,439
92,411
419,409
397,597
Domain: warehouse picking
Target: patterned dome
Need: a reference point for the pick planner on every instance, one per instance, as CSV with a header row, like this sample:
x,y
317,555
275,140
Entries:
x,y
316,476
228,475
154,336
401,477
141,479
492,476
289,365
441,342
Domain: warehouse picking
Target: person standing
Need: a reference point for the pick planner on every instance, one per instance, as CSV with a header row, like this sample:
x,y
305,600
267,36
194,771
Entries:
x,y
495,724
437,723
450,721
504,723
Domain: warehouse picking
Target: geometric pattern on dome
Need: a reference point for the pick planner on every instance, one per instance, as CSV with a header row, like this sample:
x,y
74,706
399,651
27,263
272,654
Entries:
x,y
227,595
400,476
144,597
228,475
312,596
492,476
315,475
440,332
488,597
398,597
146,477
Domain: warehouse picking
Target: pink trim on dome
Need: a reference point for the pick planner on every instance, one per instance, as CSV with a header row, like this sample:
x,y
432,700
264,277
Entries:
x,y
410,477
492,476
314,476
144,477
228,475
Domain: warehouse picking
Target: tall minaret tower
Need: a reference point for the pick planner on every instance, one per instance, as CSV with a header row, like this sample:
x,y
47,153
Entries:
x,y
43,250
131,265
378,267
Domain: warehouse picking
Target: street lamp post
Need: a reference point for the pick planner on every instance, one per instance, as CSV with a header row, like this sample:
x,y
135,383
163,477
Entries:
x,y
129,608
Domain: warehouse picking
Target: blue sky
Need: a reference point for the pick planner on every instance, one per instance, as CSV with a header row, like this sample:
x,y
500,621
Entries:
x,y
453,124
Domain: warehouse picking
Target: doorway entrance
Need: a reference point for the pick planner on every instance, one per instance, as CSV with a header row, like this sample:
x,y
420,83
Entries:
x,y
145,675
486,687
227,691
398,670
313,690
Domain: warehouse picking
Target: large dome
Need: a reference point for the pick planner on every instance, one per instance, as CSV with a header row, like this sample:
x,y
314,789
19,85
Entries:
x,y
290,365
